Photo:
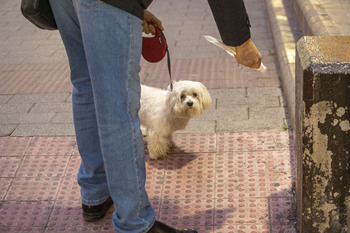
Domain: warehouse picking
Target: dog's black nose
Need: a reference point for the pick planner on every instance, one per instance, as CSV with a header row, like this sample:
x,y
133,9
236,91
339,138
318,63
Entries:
x,y
190,103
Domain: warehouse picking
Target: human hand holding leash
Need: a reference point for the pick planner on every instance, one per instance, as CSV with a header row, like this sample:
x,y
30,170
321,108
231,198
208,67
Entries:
x,y
148,20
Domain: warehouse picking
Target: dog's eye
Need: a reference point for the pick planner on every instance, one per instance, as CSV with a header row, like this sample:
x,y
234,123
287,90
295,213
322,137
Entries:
x,y
182,96
195,94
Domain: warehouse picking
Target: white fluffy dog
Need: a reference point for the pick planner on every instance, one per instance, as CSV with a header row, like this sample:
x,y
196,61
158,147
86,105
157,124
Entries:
x,y
164,111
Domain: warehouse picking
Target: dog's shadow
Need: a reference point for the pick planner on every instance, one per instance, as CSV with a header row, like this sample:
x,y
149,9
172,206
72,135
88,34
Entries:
x,y
176,159
199,214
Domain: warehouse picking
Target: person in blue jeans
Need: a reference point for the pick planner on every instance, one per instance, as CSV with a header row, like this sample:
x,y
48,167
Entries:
x,y
103,41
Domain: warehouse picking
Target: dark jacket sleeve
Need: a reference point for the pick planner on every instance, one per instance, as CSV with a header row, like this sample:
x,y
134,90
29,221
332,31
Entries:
x,y
232,21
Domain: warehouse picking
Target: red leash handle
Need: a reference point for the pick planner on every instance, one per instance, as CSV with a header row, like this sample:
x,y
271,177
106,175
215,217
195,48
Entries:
x,y
155,48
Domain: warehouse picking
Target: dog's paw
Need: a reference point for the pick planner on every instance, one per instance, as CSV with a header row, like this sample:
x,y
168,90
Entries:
x,y
158,151
144,131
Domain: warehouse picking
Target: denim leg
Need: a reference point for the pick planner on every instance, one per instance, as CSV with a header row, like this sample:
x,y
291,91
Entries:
x,y
103,44
91,175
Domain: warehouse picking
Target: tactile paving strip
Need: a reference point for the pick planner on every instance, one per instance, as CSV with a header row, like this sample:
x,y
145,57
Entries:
x,y
51,146
69,213
241,211
251,228
33,189
75,229
13,146
280,162
241,162
73,166
189,212
22,229
25,214
282,211
284,228
155,177
4,184
190,176
251,185
67,216
251,141
9,166
69,189
247,174
190,143
43,166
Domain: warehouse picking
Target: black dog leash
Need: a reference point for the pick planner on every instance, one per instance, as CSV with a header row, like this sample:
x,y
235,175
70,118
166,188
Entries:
x,y
169,67
168,61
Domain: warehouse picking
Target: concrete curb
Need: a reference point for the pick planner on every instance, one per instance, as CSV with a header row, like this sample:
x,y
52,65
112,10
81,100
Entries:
x,y
286,33
313,18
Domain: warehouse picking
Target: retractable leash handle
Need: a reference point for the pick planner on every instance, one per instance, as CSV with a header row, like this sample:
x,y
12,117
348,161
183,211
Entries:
x,y
155,48
230,50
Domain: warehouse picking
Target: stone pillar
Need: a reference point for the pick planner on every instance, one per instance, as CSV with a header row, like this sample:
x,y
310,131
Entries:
x,y
323,134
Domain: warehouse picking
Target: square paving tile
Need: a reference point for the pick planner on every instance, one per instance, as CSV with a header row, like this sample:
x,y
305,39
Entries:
x,y
69,189
234,211
25,214
190,176
282,211
33,189
51,146
244,228
9,166
190,143
43,166
75,229
188,212
69,214
155,177
4,184
13,146
252,141
251,185
73,166
23,229
241,162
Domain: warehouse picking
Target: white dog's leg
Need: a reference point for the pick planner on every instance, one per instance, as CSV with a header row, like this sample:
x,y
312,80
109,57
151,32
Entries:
x,y
171,142
158,146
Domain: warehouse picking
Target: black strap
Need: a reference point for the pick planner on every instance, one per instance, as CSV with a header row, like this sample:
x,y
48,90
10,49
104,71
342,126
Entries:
x,y
168,61
169,67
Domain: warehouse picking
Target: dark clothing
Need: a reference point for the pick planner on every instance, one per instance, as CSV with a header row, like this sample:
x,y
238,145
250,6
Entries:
x,y
134,7
230,16
232,21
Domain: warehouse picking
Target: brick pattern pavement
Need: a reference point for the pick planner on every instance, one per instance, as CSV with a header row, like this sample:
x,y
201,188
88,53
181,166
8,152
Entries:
x,y
229,182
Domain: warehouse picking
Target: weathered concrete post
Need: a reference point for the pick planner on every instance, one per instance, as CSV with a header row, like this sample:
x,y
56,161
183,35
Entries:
x,y
323,134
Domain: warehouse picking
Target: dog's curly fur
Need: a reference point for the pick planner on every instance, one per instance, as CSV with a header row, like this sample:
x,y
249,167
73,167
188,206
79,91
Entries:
x,y
164,111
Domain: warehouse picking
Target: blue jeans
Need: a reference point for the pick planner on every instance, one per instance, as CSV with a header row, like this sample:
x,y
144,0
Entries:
x,y
103,45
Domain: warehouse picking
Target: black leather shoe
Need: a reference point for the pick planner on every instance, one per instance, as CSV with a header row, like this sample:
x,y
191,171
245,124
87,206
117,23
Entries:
x,y
159,227
95,212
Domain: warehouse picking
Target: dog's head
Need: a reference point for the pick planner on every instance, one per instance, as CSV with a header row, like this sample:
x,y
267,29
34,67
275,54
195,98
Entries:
x,y
188,99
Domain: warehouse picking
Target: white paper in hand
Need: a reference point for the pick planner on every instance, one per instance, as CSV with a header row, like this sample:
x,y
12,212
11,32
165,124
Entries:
x,y
230,50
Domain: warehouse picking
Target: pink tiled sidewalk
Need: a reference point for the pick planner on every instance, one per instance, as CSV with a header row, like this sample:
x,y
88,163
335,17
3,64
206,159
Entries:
x,y
225,182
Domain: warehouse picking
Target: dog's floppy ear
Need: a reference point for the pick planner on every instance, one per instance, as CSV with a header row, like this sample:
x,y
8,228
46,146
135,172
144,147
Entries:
x,y
205,97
